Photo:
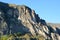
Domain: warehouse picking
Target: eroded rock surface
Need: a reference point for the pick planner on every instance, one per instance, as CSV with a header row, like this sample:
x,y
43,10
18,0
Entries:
x,y
20,18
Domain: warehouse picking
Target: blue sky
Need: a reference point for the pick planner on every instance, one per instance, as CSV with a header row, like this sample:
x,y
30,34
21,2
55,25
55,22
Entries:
x,y
46,9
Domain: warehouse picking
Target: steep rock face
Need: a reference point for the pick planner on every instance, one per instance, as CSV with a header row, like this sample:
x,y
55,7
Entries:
x,y
3,24
9,20
20,18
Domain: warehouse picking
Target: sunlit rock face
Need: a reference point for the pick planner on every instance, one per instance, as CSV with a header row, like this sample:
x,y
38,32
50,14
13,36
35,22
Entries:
x,y
20,18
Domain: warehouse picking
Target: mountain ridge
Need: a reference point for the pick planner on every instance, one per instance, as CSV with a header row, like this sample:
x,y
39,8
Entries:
x,y
15,18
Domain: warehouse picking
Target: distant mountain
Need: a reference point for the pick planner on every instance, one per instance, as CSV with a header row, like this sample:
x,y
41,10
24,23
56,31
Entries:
x,y
54,25
21,18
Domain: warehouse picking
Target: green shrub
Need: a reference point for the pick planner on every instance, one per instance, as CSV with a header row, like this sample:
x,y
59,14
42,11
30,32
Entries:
x,y
5,37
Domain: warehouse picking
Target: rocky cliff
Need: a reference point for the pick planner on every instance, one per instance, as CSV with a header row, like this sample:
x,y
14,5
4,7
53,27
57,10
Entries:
x,y
20,18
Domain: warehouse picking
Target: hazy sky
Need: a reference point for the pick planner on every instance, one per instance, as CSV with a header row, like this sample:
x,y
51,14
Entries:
x,y
47,9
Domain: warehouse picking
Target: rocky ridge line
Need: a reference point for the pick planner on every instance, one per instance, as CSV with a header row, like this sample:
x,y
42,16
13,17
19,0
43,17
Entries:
x,y
20,18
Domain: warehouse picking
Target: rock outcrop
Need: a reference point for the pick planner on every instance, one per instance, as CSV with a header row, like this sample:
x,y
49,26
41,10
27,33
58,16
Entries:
x,y
20,18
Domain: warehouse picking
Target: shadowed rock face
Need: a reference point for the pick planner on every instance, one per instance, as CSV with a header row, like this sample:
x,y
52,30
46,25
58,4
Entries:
x,y
20,18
